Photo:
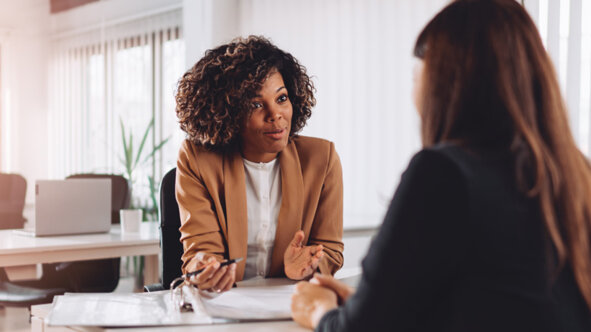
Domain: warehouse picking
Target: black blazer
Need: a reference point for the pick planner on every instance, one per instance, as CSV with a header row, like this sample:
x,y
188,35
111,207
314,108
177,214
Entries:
x,y
461,249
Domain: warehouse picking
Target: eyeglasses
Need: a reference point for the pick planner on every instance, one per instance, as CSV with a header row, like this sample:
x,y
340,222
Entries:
x,y
177,297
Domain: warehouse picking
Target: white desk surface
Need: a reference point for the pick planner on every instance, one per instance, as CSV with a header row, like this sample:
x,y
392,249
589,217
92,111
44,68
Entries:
x,y
20,253
17,249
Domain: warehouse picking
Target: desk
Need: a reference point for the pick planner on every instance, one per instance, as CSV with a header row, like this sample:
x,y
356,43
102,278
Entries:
x,y
17,251
39,312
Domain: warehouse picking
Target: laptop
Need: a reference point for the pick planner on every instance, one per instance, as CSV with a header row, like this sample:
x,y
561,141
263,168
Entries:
x,y
74,206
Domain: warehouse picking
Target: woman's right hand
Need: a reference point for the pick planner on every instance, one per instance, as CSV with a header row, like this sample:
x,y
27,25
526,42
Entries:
x,y
213,278
342,290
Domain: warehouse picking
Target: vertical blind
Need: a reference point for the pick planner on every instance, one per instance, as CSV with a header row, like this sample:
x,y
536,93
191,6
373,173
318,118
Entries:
x,y
359,54
568,40
123,72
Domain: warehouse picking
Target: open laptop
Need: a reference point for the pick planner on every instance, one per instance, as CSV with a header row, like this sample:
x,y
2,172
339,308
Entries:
x,y
74,206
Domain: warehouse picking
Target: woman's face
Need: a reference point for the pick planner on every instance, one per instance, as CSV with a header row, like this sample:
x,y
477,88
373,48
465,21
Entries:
x,y
417,88
265,133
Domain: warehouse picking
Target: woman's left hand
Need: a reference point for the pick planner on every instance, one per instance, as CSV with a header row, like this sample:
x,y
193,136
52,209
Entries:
x,y
310,302
301,261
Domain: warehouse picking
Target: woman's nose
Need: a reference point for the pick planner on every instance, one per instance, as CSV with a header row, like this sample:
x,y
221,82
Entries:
x,y
274,114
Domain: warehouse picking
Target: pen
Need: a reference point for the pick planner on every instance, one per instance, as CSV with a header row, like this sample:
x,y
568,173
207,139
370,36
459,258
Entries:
x,y
222,264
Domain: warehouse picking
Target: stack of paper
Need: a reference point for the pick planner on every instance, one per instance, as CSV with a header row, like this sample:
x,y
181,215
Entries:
x,y
248,301
114,309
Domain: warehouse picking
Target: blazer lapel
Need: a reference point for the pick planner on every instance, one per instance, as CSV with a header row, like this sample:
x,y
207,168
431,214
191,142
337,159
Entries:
x,y
289,220
236,217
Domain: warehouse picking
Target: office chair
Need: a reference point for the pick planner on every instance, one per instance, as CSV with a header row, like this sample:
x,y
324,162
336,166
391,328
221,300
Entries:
x,y
100,275
13,188
170,222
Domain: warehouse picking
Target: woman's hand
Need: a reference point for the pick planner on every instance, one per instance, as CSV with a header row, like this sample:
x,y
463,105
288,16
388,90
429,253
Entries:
x,y
213,278
310,302
301,261
342,290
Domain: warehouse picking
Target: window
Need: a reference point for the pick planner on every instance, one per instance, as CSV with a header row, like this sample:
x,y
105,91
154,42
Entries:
x,y
122,75
568,40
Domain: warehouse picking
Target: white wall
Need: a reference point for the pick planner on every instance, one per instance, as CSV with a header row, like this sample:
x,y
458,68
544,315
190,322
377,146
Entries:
x,y
24,47
208,23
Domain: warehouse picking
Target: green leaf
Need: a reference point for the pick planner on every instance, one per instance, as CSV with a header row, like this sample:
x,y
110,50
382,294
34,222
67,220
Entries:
x,y
128,157
124,139
139,151
156,148
153,190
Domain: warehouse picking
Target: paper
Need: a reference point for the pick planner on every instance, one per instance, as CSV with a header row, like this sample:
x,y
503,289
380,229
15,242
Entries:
x,y
249,303
114,309
265,299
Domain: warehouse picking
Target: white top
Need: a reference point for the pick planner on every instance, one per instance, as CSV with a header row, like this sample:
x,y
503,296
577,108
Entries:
x,y
263,200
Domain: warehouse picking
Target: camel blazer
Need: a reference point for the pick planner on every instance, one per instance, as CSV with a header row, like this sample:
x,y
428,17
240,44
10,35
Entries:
x,y
211,192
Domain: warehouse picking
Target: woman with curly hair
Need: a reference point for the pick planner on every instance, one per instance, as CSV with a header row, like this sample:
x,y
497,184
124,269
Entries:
x,y
247,185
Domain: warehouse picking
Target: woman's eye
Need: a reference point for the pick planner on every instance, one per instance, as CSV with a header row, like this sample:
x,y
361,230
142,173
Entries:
x,y
256,105
282,99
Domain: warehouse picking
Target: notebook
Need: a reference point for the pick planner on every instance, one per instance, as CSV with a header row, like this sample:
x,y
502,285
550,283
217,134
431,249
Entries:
x,y
74,206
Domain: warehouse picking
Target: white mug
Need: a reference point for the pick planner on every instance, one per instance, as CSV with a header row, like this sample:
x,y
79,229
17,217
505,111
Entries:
x,y
130,220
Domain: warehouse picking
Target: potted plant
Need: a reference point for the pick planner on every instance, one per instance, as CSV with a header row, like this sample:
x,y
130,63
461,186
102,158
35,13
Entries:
x,y
132,160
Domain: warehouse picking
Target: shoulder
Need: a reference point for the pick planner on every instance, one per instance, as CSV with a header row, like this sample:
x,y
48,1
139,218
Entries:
x,y
307,143
314,153
197,158
191,149
316,157
445,155
319,148
442,162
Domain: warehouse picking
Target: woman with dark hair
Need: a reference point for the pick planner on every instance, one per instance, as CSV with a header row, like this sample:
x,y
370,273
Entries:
x,y
490,227
247,185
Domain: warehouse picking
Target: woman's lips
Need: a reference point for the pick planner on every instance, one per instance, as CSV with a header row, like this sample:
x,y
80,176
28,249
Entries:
x,y
275,134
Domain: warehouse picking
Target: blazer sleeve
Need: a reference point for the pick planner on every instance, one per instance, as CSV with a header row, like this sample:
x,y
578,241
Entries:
x,y
420,248
327,228
200,228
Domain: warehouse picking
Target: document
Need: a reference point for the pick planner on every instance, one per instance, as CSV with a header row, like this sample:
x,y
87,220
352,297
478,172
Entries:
x,y
250,301
120,310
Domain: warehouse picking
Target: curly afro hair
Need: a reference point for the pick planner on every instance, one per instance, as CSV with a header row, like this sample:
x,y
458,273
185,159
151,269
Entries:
x,y
213,99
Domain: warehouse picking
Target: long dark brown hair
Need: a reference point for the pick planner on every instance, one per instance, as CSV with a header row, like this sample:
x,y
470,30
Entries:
x,y
488,82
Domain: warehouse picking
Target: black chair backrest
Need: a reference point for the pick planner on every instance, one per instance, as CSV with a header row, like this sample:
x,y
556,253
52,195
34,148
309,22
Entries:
x,y
170,221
